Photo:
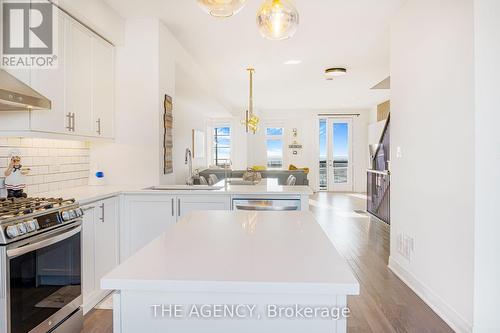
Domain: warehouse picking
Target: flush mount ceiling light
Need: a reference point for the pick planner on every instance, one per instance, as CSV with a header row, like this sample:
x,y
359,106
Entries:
x,y
277,19
222,8
332,73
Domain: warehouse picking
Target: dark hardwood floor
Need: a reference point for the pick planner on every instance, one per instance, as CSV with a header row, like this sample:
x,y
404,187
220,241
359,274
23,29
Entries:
x,y
385,304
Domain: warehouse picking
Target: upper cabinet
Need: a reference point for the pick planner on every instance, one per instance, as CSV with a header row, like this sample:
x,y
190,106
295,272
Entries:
x,y
103,87
79,79
81,88
52,84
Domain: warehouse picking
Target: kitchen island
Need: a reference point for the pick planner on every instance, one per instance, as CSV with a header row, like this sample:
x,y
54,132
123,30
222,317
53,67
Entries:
x,y
234,272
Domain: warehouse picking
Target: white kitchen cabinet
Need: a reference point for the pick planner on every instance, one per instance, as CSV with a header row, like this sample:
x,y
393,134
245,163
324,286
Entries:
x,y
100,247
51,83
107,235
145,217
103,88
79,79
190,203
81,88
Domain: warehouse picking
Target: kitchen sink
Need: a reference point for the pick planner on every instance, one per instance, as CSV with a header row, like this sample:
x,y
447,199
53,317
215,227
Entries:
x,y
185,188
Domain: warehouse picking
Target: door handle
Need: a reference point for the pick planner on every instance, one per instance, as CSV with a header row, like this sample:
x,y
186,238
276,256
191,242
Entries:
x,y
179,207
69,128
16,252
98,126
102,212
173,212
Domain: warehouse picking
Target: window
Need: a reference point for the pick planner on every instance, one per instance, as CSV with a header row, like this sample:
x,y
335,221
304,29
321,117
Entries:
x,y
274,147
221,152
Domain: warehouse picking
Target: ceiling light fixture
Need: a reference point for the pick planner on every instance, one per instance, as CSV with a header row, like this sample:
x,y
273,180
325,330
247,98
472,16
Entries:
x,y
251,121
332,73
277,19
222,8
292,62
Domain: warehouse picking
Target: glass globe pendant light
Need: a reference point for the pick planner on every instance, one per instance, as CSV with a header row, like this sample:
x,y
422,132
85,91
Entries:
x,y
277,19
222,8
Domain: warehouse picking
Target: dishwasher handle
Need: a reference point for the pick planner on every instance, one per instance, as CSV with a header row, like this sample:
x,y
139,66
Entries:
x,y
266,208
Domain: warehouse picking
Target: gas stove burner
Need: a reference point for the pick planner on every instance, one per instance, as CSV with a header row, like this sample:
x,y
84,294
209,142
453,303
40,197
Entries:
x,y
15,207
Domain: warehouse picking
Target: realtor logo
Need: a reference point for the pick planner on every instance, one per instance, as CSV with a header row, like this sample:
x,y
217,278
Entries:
x,y
29,34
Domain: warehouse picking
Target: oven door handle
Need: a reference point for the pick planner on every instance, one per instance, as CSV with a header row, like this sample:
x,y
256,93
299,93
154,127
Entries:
x,y
41,244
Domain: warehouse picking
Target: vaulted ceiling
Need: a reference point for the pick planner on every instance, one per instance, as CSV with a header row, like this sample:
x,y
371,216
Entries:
x,y
332,33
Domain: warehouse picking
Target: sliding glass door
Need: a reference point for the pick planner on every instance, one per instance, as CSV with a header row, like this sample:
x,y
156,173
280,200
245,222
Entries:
x,y
335,160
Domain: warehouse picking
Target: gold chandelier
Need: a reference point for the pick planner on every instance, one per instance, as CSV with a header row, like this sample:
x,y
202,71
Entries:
x,y
276,19
222,8
251,121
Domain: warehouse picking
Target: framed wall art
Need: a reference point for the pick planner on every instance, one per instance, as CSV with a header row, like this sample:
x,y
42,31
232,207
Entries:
x,y
168,140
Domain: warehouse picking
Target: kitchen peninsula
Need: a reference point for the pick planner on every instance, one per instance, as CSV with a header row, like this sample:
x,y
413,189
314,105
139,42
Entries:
x,y
264,262
120,220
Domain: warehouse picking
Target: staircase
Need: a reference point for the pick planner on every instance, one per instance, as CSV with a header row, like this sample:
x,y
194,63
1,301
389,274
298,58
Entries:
x,y
379,179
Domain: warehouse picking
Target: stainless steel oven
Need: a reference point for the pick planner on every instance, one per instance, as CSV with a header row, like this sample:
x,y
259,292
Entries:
x,y
40,281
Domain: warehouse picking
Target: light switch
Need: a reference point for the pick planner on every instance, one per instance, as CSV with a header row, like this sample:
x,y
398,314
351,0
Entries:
x,y
399,152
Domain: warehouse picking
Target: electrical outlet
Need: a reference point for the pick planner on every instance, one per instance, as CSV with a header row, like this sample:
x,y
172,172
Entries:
x,y
399,152
406,246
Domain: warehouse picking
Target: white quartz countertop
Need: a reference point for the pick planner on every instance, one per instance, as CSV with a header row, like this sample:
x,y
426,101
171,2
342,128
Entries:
x,y
88,194
251,252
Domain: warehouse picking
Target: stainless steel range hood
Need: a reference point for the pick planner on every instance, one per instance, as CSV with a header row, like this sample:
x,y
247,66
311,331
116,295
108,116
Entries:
x,y
18,96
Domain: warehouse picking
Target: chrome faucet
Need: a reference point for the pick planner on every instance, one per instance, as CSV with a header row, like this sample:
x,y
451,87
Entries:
x,y
189,163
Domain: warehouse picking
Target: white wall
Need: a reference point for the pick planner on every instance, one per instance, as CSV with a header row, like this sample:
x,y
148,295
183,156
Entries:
x,y
133,157
487,226
307,124
432,183
147,69
193,107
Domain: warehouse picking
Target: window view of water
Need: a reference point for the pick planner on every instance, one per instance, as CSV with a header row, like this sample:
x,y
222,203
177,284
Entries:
x,y
274,145
340,152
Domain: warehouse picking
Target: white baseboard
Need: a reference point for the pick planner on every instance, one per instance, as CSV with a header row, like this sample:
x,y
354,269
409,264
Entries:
x,y
442,309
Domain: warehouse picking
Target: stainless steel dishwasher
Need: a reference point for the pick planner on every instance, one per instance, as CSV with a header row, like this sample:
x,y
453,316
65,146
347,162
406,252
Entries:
x,y
266,204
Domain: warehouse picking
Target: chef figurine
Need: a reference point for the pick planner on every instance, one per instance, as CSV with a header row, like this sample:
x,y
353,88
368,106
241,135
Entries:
x,y
14,177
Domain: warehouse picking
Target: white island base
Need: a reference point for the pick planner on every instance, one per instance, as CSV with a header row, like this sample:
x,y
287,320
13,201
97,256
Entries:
x,y
134,313
233,272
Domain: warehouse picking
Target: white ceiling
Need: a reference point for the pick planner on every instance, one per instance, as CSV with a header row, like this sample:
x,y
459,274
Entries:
x,y
332,33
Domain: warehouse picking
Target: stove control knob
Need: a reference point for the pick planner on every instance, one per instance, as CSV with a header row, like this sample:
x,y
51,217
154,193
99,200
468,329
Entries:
x,y
22,228
12,231
72,214
31,225
65,216
79,212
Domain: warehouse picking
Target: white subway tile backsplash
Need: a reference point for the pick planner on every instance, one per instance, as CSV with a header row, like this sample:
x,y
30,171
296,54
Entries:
x,y
14,142
53,164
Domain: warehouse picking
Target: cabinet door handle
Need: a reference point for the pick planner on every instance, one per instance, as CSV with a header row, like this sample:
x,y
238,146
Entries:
x,y
72,121
173,213
102,212
99,126
179,207
69,128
